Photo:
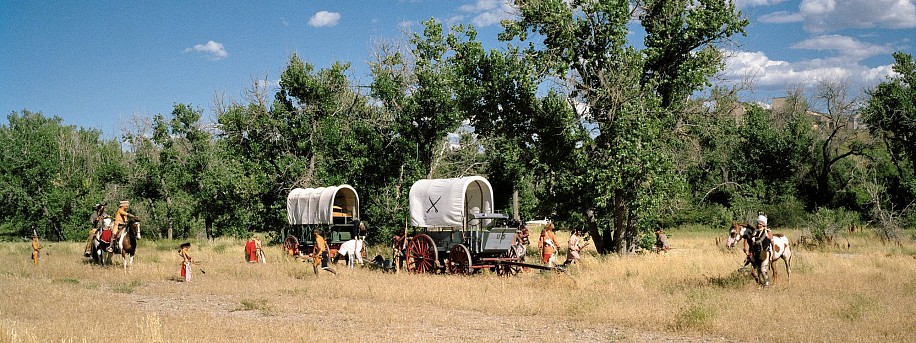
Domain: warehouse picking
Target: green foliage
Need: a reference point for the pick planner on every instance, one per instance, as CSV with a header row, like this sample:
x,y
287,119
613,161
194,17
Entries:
x,y
50,175
625,169
826,225
891,117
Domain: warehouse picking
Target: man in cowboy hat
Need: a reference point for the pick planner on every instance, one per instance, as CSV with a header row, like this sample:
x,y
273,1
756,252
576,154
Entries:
x,y
120,221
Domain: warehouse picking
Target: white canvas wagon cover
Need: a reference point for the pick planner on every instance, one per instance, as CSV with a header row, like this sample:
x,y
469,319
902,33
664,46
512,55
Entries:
x,y
448,202
321,205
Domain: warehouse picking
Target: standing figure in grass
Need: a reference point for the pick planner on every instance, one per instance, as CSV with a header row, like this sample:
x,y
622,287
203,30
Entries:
x,y
251,250
548,245
36,248
320,253
661,241
572,256
185,262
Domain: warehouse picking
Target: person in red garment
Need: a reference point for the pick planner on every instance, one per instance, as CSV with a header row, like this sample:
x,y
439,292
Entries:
x,y
251,250
185,262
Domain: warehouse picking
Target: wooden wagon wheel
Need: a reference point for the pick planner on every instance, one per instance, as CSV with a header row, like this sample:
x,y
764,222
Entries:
x,y
459,260
421,255
503,269
291,246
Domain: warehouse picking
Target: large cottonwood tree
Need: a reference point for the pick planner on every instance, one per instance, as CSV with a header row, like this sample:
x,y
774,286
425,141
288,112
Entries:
x,y
631,94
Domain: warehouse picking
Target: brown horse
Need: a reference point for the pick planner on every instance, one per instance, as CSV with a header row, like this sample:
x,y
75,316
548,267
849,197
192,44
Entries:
x,y
128,242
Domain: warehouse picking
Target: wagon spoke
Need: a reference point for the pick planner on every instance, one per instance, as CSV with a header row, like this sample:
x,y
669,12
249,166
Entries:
x,y
421,255
459,260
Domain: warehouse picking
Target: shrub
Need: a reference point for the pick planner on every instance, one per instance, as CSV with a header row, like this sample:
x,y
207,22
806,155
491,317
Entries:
x,y
825,225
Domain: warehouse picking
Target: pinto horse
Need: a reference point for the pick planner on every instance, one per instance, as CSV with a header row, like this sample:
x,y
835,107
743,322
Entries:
x,y
128,242
100,244
735,234
763,250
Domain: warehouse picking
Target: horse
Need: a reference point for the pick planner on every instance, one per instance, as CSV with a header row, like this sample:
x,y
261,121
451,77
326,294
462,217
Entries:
x,y
735,234
100,244
763,250
128,242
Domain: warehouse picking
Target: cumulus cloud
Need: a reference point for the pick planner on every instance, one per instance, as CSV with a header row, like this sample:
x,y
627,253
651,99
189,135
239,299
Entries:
x,y
213,50
832,15
844,46
844,65
488,12
324,19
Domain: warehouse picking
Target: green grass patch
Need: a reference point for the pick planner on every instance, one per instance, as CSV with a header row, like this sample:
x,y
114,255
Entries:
x,y
737,279
69,280
692,317
260,304
126,287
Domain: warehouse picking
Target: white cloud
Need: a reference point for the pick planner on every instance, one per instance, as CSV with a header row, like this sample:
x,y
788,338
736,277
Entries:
x,y
752,3
488,12
845,46
214,50
832,15
766,73
324,19
782,17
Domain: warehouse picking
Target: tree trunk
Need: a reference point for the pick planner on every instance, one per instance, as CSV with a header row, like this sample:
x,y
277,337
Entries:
x,y
515,210
597,237
208,223
620,220
632,233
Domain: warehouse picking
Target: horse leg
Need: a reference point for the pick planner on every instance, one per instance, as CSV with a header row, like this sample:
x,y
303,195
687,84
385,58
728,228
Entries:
x,y
786,259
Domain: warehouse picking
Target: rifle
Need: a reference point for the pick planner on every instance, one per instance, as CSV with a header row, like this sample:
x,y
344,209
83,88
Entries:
x,y
197,263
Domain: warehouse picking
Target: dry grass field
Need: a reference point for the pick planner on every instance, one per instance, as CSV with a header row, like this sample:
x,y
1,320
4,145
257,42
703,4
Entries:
x,y
860,293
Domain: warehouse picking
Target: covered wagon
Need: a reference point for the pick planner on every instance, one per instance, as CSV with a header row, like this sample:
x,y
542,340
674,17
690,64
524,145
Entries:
x,y
334,210
456,228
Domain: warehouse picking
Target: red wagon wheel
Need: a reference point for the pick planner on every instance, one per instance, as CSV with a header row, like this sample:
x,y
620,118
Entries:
x,y
503,269
459,260
421,255
291,245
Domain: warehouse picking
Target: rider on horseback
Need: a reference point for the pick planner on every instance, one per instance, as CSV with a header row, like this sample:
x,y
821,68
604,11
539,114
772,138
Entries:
x,y
761,226
120,221
95,220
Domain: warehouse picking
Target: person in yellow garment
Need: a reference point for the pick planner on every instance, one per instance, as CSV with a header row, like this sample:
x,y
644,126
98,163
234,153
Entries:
x,y
120,221
36,248
320,253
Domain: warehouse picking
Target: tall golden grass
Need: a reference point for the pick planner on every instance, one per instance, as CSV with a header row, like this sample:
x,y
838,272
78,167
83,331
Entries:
x,y
863,292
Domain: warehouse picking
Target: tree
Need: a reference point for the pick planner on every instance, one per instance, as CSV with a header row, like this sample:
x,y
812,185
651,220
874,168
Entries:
x,y
51,174
631,95
419,90
891,116
839,138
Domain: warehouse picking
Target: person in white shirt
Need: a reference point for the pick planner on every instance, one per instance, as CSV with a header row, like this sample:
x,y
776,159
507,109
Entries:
x,y
352,251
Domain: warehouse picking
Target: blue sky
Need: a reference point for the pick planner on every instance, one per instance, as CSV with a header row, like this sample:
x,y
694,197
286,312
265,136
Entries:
x,y
100,64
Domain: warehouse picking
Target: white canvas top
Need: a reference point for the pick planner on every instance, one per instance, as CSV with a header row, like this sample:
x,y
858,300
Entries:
x,y
316,205
448,202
